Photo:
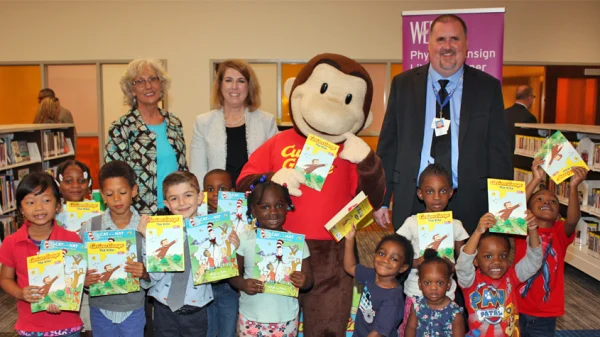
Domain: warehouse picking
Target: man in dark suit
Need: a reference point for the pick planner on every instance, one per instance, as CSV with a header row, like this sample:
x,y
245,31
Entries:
x,y
519,113
474,148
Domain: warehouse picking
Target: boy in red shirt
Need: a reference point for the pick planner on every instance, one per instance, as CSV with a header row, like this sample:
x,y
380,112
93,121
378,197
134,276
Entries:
x,y
542,297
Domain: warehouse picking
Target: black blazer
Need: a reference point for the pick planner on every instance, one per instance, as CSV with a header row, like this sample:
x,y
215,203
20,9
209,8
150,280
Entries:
x,y
483,143
518,114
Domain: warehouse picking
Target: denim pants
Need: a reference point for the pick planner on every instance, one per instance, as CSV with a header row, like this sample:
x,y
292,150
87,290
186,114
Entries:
x,y
532,326
132,326
223,310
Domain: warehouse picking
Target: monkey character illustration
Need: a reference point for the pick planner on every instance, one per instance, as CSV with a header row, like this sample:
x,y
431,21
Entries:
x,y
437,240
507,211
309,168
45,289
108,271
162,251
555,153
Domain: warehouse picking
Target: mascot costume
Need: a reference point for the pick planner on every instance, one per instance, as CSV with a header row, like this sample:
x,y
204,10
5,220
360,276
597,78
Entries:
x,y
330,98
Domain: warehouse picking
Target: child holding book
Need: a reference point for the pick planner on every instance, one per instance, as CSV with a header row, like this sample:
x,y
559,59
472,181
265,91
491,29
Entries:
x,y
117,315
222,311
542,297
435,314
267,314
489,283
381,305
38,199
435,190
74,182
180,306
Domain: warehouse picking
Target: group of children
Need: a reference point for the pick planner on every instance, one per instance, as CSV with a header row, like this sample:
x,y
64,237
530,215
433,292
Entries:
x,y
403,294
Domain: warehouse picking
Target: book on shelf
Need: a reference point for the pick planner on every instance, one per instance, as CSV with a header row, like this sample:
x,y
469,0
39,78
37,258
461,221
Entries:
x,y
212,255
277,255
436,231
507,202
357,213
34,152
236,205
21,173
7,193
597,157
4,161
594,244
75,268
523,175
164,244
9,226
315,161
108,251
586,149
47,272
24,150
527,145
16,152
559,156
55,143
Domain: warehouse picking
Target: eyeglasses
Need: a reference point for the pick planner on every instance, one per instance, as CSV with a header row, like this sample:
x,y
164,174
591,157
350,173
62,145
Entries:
x,y
142,82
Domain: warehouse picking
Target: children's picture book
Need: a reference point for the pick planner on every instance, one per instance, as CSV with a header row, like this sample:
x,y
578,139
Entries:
x,y
47,272
277,255
559,156
357,213
213,256
506,200
203,209
436,231
75,266
236,205
315,161
16,151
107,253
77,213
164,244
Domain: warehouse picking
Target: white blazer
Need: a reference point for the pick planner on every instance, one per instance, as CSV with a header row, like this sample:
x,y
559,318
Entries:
x,y
209,142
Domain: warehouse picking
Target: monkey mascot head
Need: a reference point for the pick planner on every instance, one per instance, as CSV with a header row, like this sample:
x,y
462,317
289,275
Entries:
x,y
330,97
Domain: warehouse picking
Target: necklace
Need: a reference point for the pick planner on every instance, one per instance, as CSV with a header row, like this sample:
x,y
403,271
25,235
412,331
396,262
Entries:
x,y
236,122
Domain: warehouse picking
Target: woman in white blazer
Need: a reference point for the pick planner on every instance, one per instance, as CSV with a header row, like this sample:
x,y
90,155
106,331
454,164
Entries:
x,y
225,137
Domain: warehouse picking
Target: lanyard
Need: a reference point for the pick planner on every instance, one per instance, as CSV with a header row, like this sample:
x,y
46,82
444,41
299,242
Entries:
x,y
450,94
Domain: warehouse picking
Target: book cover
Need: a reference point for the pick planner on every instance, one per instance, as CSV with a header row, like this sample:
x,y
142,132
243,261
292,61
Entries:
x,y
75,268
203,209
77,213
107,252
47,272
506,200
213,256
357,213
315,161
559,156
277,255
236,205
164,244
16,152
23,150
436,231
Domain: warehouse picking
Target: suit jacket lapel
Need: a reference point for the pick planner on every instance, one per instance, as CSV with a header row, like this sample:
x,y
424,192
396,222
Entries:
x,y
420,88
468,101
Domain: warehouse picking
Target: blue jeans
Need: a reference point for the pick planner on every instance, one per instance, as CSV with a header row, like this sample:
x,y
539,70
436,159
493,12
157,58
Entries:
x,y
532,326
223,310
133,326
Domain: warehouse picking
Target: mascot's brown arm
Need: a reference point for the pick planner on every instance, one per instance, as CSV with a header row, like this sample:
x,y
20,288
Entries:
x,y
371,179
244,183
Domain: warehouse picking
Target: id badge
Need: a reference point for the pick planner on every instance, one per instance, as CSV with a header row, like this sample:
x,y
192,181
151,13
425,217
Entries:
x,y
441,126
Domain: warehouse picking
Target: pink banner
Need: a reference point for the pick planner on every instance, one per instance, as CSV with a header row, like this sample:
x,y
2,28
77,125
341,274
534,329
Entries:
x,y
485,32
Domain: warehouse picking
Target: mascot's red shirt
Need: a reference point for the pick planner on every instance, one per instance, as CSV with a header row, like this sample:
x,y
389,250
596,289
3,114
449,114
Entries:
x,y
313,209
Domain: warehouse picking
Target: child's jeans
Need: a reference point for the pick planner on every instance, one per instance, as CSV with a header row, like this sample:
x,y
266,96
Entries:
x,y
132,326
222,311
532,326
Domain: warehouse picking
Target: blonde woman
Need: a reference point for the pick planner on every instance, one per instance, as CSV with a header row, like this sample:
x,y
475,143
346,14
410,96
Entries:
x,y
148,138
47,111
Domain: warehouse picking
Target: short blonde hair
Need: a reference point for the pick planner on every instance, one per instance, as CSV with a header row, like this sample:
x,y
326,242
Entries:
x,y
134,68
47,111
253,98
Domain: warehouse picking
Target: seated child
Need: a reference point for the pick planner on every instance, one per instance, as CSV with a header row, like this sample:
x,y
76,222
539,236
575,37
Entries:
x,y
381,305
489,282
542,297
267,314
435,314
435,189
223,310
124,314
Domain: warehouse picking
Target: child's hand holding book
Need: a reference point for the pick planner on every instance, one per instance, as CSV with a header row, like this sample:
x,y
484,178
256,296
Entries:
x,y
299,279
538,172
91,277
579,175
31,294
487,221
253,286
144,219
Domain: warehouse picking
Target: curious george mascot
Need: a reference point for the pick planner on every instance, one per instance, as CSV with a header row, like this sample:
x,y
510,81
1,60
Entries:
x,y
330,98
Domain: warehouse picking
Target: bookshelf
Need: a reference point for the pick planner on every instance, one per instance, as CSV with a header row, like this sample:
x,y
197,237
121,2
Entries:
x,y
28,148
578,254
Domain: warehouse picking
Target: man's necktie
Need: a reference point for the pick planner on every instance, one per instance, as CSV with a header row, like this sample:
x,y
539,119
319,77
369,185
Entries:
x,y
441,148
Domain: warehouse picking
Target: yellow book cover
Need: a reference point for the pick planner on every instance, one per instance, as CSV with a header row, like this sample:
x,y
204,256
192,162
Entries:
x,y
76,213
559,156
47,271
436,231
164,244
315,161
357,213
108,258
506,200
